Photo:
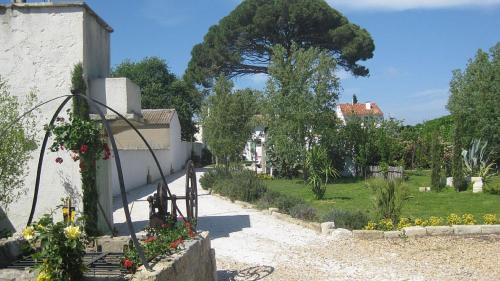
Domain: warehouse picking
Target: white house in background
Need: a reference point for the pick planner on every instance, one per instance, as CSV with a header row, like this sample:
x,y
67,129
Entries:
x,y
40,43
346,111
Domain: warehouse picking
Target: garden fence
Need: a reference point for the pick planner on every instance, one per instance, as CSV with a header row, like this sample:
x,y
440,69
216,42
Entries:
x,y
391,174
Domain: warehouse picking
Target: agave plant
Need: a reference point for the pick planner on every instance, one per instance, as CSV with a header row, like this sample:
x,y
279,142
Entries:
x,y
477,161
318,166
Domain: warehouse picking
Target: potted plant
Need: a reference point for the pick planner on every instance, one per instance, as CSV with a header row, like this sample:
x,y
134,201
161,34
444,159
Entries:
x,y
477,164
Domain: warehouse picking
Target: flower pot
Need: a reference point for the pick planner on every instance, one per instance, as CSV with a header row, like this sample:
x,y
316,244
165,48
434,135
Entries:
x,y
477,184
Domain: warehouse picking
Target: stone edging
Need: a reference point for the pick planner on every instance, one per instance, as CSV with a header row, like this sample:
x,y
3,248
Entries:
x,y
420,231
275,213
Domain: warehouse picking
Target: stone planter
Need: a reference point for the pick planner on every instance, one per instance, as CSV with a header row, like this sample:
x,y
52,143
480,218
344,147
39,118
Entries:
x,y
449,181
477,184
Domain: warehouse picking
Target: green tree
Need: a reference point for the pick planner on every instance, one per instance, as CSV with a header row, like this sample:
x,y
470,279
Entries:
x,y
475,98
459,182
161,89
242,42
18,141
299,104
226,120
436,160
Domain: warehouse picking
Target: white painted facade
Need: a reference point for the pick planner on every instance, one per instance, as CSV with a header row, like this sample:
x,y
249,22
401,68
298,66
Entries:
x,y
39,45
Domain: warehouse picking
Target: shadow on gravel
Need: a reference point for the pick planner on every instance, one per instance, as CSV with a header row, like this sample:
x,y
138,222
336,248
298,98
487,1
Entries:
x,y
222,226
253,273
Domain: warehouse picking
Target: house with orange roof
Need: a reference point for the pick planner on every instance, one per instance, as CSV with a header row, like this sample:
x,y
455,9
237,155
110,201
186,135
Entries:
x,y
347,111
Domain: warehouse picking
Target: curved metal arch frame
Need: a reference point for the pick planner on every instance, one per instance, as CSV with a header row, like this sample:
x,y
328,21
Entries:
x,y
93,103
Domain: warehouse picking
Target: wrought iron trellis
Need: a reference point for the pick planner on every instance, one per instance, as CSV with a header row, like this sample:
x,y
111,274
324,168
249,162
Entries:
x,y
94,104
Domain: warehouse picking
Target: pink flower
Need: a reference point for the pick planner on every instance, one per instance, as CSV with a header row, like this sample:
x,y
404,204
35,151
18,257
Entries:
x,y
59,160
84,148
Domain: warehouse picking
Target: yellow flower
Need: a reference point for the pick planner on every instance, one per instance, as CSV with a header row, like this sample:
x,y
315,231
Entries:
x,y
29,233
468,219
371,226
72,232
434,221
490,218
43,276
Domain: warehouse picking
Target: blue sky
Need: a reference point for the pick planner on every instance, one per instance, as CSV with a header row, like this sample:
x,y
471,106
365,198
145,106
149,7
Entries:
x,y
418,43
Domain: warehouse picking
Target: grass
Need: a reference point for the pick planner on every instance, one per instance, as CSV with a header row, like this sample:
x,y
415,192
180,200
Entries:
x,y
351,194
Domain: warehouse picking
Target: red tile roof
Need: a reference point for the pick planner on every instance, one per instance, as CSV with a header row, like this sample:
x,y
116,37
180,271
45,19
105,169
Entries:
x,y
360,109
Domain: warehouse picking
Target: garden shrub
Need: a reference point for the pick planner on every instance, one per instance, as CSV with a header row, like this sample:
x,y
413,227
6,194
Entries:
x,y
389,197
241,185
454,219
492,188
370,226
404,222
347,219
468,219
303,212
490,218
385,225
421,222
435,221
208,179
279,200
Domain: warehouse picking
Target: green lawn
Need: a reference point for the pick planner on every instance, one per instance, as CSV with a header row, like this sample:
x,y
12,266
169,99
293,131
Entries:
x,y
351,194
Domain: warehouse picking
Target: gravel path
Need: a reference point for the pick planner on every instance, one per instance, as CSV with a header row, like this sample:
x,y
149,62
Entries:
x,y
251,245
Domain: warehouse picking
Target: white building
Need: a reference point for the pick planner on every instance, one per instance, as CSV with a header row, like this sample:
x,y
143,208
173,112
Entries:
x,y
40,43
346,111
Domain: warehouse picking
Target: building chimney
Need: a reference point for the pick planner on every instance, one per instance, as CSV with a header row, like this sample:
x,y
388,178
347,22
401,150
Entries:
x,y
368,105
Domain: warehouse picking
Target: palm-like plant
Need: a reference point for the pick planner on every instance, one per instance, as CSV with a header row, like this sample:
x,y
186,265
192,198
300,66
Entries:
x,y
319,166
477,161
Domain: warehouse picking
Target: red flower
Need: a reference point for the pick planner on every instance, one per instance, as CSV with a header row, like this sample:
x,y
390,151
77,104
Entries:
x,y
107,152
150,239
190,229
176,243
59,160
128,263
84,148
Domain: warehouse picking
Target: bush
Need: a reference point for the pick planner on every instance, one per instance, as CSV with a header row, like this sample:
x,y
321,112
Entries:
x,y
208,179
389,197
404,222
304,212
468,219
454,219
421,222
490,219
435,221
241,185
283,202
347,219
492,188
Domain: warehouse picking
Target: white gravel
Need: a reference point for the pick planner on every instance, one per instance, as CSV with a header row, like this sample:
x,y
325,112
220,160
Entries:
x,y
251,245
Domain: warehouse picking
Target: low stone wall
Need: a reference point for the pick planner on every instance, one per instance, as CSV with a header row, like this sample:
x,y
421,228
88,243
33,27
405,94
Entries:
x,y
195,263
10,250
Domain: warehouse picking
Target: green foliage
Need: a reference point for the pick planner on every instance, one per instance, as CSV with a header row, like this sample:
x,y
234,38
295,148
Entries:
x,y
60,246
208,179
477,161
436,160
347,219
459,182
164,240
82,139
18,141
492,188
226,120
78,86
283,202
243,42
389,198
319,167
304,212
299,105
161,89
241,185
475,99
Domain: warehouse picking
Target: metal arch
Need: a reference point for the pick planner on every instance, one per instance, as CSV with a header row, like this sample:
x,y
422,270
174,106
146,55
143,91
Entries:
x,y
42,151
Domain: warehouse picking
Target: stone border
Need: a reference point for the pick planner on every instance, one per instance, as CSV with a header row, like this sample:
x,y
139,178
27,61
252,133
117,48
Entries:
x,y
195,262
316,226
419,231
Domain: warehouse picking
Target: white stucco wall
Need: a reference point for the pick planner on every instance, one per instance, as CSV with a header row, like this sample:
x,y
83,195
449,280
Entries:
x,y
39,46
121,94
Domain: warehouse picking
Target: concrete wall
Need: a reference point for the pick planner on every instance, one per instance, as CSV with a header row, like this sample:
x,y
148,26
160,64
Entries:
x,y
40,44
121,94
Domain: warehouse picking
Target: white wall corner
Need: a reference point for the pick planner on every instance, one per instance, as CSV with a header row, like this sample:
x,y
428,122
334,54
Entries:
x,y
121,94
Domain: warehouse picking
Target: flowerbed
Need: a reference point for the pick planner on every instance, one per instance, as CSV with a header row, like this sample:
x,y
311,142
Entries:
x,y
452,219
164,240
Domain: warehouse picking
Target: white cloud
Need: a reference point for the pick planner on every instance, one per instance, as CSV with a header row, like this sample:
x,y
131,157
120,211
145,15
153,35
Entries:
x,y
399,5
